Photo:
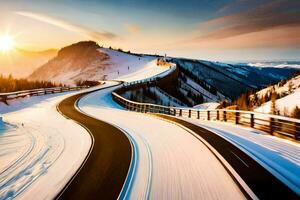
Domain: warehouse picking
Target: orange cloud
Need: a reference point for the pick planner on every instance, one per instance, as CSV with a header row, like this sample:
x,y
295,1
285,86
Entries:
x,y
131,28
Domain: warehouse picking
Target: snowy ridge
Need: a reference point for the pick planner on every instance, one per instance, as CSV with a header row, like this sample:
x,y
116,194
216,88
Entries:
x,y
279,64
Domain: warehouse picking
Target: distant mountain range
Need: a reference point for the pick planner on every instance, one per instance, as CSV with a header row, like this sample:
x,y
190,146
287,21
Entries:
x,y
21,63
230,80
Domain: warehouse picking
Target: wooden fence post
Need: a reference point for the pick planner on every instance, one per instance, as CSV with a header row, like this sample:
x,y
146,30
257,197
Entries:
x,y
297,131
272,122
237,117
224,116
218,115
252,120
198,114
190,114
208,115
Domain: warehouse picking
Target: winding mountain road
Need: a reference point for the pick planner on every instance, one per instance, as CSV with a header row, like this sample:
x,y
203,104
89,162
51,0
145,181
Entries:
x,y
171,162
105,169
165,160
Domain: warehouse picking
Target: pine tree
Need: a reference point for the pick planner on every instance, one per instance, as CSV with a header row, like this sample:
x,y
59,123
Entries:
x,y
296,112
290,86
273,103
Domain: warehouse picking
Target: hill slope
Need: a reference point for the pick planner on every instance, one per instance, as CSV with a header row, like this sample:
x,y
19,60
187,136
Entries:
x,y
288,97
88,61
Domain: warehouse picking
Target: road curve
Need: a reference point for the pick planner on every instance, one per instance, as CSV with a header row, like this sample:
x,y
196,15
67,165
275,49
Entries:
x,y
105,169
259,180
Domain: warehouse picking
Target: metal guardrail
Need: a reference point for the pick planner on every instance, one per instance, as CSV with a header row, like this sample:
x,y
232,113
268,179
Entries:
x,y
5,97
273,124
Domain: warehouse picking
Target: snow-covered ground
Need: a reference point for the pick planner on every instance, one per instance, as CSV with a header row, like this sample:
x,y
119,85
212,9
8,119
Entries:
x,y
207,106
279,156
171,162
37,149
38,144
121,64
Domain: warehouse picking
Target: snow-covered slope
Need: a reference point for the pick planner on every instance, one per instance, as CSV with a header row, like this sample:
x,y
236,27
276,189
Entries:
x,y
37,149
289,93
88,61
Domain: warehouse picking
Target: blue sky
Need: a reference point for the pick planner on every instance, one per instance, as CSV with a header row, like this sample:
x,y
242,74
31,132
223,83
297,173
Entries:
x,y
204,29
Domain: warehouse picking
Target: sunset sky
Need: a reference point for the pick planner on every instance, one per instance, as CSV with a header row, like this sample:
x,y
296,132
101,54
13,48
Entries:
x,y
204,29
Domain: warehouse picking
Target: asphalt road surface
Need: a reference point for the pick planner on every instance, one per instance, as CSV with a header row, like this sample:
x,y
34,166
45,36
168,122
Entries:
x,y
105,170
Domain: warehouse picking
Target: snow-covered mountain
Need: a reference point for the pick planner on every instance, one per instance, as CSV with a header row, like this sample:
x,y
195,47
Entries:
x,y
88,61
230,80
288,96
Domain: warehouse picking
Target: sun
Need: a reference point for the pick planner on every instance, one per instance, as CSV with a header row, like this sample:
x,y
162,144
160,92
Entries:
x,y
7,43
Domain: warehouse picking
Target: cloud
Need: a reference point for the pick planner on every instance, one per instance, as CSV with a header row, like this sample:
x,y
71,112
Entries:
x,y
133,29
95,35
279,17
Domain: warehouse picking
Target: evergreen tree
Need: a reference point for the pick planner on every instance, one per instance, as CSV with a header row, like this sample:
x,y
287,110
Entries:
x,y
296,112
290,86
274,110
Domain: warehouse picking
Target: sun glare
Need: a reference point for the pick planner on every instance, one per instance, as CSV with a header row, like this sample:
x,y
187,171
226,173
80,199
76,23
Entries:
x,y
6,43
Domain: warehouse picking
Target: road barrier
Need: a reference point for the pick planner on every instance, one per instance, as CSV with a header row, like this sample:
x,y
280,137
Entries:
x,y
5,97
273,124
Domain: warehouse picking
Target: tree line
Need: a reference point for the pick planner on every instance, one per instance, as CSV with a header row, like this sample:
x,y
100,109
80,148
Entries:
x,y
11,84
